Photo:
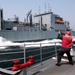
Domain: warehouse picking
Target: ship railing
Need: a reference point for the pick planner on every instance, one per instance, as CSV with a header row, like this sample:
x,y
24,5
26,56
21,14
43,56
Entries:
x,y
41,52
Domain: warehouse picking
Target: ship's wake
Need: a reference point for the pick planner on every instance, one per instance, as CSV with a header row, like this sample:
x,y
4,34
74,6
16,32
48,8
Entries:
x,y
6,43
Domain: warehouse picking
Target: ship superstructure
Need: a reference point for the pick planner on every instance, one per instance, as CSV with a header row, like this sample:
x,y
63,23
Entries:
x,y
14,30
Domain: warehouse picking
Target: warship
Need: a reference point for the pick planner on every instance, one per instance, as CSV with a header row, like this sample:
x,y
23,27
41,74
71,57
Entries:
x,y
14,30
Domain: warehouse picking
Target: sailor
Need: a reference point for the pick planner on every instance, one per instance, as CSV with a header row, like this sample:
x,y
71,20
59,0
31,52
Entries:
x,y
66,46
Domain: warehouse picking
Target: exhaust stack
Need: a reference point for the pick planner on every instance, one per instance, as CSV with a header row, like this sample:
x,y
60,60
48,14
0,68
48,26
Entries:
x,y
1,19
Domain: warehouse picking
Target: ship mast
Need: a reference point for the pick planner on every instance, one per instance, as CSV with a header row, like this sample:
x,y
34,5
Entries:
x,y
49,9
39,9
45,7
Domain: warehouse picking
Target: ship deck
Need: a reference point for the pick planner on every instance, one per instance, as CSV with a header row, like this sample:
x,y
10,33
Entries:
x,y
49,68
52,69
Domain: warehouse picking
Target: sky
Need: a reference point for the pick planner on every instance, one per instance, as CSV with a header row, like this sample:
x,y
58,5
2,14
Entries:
x,y
20,8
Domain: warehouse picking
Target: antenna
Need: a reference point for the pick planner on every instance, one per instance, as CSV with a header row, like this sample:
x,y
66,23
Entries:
x,y
45,7
49,9
0,6
24,20
39,9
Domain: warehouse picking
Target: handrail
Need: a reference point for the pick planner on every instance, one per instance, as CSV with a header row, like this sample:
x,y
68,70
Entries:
x,y
43,45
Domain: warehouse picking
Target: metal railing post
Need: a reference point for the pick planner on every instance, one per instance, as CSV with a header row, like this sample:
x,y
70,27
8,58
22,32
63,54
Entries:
x,y
24,54
24,69
55,49
40,54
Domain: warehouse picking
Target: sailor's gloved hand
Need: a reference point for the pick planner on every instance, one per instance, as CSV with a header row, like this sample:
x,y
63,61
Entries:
x,y
59,31
74,42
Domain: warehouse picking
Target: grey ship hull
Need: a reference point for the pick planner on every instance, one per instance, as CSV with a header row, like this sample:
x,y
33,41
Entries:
x,y
34,35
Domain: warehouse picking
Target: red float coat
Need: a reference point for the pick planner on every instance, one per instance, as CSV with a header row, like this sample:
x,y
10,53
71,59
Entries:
x,y
67,41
